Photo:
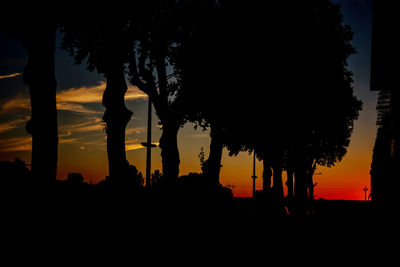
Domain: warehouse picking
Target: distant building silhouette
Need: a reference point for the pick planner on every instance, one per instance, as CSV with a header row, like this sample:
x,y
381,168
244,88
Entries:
x,y
385,70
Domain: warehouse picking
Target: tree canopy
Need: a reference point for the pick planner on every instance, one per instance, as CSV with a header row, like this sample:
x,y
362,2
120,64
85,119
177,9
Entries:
x,y
276,84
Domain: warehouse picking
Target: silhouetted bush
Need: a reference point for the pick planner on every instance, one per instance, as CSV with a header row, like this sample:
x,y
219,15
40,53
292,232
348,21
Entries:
x,y
75,177
14,173
130,180
197,185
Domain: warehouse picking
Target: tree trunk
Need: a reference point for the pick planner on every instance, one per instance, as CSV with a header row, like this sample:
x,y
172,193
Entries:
x,y
40,78
300,168
267,173
310,183
277,187
170,153
300,189
289,183
116,118
213,163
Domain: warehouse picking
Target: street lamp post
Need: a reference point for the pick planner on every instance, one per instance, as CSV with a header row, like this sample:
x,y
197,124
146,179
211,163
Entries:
x,y
365,189
148,145
254,177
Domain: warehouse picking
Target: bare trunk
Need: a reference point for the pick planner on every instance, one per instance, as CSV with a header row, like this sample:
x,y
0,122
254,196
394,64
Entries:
x,y
300,168
40,78
116,118
277,182
213,163
267,174
289,183
170,153
300,189
310,183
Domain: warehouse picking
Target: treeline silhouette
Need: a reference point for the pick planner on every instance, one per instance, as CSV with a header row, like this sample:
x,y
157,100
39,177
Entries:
x,y
266,78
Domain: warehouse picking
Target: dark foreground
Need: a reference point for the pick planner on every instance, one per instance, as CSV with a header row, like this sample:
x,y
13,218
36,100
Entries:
x,y
171,206
167,217
206,207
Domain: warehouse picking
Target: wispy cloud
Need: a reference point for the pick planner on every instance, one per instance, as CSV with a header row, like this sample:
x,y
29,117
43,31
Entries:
x,y
16,144
97,143
129,144
7,126
17,103
91,124
134,93
72,99
68,140
24,143
90,128
94,94
68,106
22,103
136,130
134,144
84,94
10,75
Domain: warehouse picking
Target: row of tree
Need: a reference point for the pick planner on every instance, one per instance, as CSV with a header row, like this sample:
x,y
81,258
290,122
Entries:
x,y
266,78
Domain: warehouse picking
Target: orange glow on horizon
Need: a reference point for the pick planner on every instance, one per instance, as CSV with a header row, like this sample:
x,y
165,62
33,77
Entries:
x,y
87,154
344,181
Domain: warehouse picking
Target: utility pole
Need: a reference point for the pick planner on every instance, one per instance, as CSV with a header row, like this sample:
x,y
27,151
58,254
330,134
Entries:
x,y
365,189
254,174
148,145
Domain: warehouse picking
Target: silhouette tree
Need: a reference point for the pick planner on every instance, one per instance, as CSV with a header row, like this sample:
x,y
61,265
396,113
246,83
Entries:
x,y
133,181
34,26
266,176
240,63
330,102
302,90
104,45
148,71
207,61
161,28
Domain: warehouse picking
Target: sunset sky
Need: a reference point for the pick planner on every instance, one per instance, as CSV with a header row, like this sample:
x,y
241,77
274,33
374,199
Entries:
x,y
82,144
